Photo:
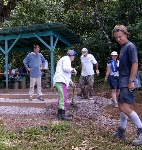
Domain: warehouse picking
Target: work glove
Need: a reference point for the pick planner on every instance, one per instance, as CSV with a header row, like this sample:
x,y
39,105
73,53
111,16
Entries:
x,y
74,71
72,84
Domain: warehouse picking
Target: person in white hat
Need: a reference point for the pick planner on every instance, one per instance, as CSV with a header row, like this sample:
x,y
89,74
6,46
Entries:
x,y
112,75
87,74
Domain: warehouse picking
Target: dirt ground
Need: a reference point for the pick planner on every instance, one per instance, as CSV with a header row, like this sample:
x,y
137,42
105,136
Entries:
x,y
18,122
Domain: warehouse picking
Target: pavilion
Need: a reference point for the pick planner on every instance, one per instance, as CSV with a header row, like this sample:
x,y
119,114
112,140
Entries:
x,y
48,35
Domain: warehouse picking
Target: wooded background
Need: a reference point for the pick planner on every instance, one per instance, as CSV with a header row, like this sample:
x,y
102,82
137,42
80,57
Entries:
x,y
91,20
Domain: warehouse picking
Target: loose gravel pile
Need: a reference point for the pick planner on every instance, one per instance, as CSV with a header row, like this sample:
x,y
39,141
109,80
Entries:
x,y
83,107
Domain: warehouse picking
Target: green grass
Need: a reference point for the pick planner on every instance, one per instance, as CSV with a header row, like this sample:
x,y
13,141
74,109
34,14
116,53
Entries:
x,y
61,136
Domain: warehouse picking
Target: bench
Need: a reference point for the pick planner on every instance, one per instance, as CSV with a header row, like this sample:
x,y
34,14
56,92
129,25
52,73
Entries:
x,y
14,83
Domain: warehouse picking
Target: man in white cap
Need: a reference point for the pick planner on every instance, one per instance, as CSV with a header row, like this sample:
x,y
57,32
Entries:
x,y
87,74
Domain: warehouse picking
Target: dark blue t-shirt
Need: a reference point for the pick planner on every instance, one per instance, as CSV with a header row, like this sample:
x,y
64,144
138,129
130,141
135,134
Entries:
x,y
128,55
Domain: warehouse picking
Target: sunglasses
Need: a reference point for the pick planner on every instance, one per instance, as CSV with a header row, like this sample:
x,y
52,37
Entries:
x,y
117,30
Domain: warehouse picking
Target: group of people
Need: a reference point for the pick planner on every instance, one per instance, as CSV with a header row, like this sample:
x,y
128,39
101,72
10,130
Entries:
x,y
122,75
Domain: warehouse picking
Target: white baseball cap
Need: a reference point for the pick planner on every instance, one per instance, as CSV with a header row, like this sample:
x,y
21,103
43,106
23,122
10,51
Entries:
x,y
114,53
84,50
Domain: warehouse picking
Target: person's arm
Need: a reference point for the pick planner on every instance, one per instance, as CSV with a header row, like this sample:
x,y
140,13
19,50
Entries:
x,y
133,73
97,70
67,66
94,61
25,61
43,62
96,66
107,73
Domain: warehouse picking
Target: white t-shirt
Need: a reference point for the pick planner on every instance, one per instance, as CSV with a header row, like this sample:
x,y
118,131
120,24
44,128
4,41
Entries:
x,y
87,64
114,73
63,71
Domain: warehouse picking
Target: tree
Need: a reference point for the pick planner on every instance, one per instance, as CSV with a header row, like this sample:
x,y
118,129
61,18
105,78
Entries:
x,y
94,28
5,9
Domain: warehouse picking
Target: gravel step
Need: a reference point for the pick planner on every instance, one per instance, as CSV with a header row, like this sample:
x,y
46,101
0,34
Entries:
x,y
26,102
24,106
26,96
27,90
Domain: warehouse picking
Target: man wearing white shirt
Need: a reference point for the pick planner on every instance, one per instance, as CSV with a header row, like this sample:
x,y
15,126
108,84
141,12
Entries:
x,y
87,74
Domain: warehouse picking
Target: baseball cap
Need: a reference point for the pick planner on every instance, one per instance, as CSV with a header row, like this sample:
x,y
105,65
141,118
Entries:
x,y
114,53
84,50
72,53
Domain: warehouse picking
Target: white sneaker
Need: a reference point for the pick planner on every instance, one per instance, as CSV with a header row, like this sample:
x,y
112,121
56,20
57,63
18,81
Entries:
x,y
90,98
138,140
116,105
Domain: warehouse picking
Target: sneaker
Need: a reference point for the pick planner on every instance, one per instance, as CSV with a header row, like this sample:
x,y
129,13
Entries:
x,y
90,98
120,134
30,99
61,115
138,140
40,98
116,105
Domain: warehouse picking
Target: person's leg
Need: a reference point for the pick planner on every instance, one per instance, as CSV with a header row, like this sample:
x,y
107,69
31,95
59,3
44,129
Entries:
x,y
90,81
128,110
123,120
31,91
117,93
38,81
62,89
39,93
133,116
126,100
114,97
82,86
117,87
113,82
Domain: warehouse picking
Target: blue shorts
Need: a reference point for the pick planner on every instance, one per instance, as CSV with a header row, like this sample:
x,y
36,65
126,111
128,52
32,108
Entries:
x,y
113,82
126,96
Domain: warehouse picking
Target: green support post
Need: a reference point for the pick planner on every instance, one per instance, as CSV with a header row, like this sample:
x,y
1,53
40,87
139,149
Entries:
x,y
52,58
6,62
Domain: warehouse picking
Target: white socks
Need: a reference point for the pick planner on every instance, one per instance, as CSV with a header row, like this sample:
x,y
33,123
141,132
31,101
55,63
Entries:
x,y
123,120
135,119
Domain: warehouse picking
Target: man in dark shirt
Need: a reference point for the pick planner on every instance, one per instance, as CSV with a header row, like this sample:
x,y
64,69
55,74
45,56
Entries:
x,y
128,71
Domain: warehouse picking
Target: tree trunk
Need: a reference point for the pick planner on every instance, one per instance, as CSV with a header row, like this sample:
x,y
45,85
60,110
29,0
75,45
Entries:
x,y
1,10
6,9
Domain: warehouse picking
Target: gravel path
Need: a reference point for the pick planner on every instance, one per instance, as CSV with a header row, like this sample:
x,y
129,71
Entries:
x,y
91,107
11,110
27,100
15,117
